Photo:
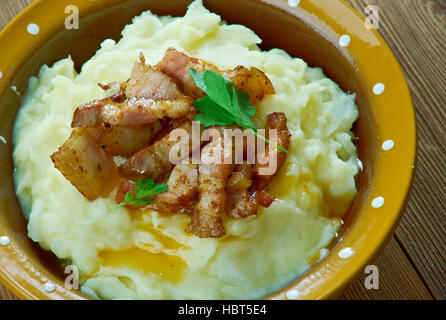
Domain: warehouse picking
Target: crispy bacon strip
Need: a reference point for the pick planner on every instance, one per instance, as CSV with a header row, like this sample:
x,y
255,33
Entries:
x,y
277,121
240,204
86,165
151,83
212,176
177,64
131,112
154,161
182,188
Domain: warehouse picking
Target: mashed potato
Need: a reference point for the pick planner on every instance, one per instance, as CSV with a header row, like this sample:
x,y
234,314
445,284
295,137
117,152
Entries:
x,y
147,255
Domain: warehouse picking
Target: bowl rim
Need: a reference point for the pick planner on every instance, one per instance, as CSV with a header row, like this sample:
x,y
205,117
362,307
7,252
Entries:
x,y
340,272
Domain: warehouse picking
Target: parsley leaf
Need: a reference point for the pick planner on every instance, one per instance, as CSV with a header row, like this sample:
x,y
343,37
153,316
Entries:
x,y
224,104
245,104
212,114
145,189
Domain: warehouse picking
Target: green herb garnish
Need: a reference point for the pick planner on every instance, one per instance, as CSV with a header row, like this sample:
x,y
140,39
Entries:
x,y
145,189
224,104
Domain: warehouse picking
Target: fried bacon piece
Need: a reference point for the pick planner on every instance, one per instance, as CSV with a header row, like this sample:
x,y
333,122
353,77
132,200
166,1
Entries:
x,y
177,64
86,165
240,202
154,161
147,96
126,140
126,186
132,111
277,121
182,188
263,198
151,83
212,176
253,81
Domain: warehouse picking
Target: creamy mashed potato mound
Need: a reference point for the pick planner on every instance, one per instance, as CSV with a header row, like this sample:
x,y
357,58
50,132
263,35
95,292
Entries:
x,y
147,255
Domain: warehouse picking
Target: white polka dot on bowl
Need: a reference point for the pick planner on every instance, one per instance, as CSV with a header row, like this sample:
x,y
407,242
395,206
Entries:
x,y
4,240
379,88
292,294
293,3
345,253
33,29
378,202
49,287
344,40
388,145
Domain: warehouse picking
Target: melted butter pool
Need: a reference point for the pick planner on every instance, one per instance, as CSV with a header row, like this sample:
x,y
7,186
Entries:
x,y
169,267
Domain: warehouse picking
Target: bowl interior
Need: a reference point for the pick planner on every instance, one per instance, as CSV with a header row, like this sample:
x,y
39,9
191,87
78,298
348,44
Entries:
x,y
296,31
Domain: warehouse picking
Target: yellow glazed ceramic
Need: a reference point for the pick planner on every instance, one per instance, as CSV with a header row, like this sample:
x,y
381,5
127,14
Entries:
x,y
325,33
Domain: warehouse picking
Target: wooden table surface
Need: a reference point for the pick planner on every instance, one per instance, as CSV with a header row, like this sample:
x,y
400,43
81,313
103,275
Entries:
x,y
413,266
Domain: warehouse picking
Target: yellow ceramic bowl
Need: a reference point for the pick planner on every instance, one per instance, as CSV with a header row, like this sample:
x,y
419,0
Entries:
x,y
325,33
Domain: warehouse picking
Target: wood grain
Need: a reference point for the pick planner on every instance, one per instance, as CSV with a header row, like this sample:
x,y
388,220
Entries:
x,y
397,279
413,266
5,294
10,8
416,32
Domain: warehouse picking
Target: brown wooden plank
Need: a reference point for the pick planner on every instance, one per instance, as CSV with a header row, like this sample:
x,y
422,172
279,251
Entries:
x,y
397,279
10,8
5,294
416,32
